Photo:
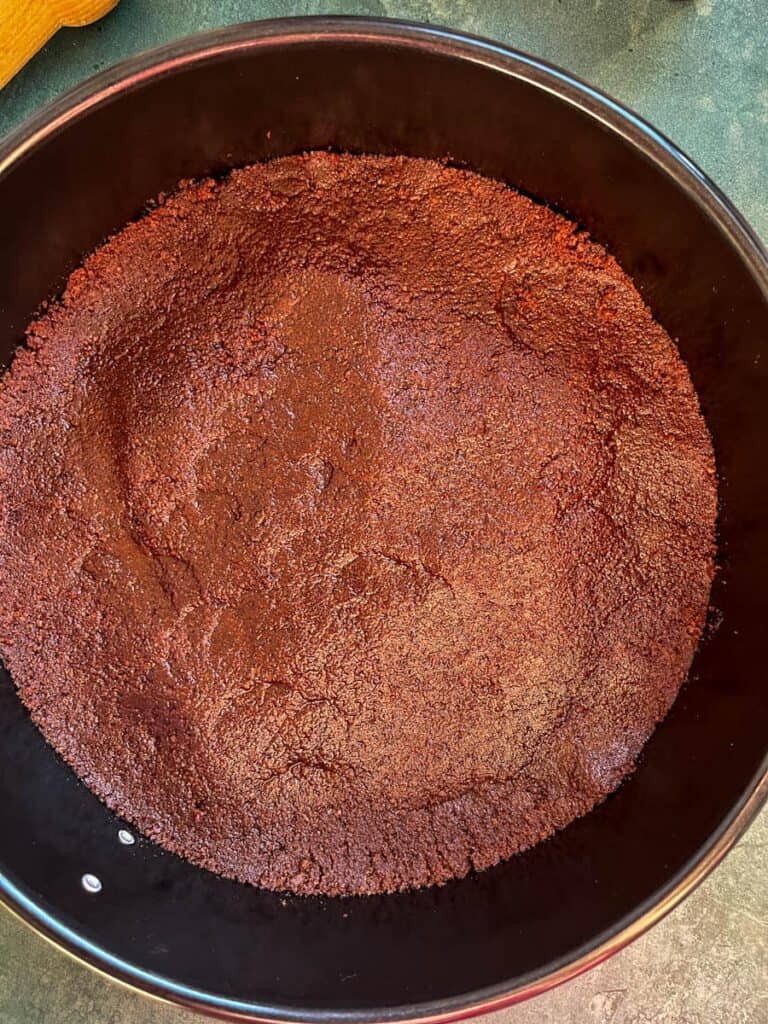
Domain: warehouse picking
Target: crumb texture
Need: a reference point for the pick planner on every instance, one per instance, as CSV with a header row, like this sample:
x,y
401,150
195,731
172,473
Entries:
x,y
357,523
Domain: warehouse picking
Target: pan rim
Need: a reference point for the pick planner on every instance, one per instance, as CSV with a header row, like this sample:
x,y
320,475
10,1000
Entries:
x,y
251,36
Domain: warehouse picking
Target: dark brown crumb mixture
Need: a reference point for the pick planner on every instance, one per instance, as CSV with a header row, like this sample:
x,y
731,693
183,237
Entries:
x,y
357,523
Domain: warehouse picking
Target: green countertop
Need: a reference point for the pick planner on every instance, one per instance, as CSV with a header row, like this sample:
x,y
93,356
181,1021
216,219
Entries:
x,y
698,70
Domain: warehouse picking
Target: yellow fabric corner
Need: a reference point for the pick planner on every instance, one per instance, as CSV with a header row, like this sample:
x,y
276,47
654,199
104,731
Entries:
x,y
26,25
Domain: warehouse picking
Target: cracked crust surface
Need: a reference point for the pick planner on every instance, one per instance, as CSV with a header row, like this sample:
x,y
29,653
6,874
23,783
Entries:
x,y
357,523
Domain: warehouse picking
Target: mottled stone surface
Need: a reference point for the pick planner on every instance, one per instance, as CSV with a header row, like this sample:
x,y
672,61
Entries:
x,y
697,69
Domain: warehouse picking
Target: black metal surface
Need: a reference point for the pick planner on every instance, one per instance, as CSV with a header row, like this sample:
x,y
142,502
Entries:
x,y
276,88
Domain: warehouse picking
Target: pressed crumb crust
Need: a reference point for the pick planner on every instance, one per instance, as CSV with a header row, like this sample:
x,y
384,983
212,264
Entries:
x,y
357,523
